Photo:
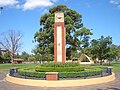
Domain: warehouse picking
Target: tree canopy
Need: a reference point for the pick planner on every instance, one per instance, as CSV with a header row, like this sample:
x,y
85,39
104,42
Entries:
x,y
77,35
102,49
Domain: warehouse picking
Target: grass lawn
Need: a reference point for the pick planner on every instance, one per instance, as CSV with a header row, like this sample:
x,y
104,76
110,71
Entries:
x,y
116,67
6,67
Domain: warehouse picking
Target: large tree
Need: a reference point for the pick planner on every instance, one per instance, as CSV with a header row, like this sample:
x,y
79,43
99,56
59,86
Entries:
x,y
11,42
24,56
100,48
113,53
73,25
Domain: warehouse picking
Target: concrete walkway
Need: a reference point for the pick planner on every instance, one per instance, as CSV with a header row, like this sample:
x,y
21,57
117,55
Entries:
x,y
114,85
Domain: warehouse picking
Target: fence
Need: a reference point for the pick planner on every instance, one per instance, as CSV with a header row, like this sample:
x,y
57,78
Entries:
x,y
61,75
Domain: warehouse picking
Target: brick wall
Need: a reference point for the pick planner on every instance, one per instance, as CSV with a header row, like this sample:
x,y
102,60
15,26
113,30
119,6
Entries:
x,y
63,41
51,75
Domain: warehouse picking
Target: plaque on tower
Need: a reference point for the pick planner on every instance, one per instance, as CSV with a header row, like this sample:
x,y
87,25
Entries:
x,y
59,38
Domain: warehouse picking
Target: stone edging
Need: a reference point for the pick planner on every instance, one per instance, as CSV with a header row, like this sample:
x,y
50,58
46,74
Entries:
x,y
60,83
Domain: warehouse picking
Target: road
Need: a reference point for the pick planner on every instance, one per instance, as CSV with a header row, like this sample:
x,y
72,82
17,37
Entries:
x,y
114,85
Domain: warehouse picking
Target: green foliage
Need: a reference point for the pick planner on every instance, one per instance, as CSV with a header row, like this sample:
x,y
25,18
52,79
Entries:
x,y
100,48
31,74
84,35
73,64
25,56
59,69
5,58
79,74
8,66
1,59
73,25
68,72
62,74
32,58
113,53
116,67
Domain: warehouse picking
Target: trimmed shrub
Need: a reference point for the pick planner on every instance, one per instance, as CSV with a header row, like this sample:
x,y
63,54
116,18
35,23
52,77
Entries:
x,y
31,74
59,69
80,74
64,72
71,74
68,64
61,74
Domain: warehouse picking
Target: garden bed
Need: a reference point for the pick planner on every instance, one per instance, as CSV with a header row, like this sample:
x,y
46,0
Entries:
x,y
67,70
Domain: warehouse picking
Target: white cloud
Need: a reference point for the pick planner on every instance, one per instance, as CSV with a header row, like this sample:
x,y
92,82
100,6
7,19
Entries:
x,y
8,2
17,6
119,6
28,4
88,5
32,4
115,1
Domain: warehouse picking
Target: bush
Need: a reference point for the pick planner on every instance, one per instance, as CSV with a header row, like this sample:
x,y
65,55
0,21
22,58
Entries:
x,y
70,64
65,72
59,69
61,74
71,74
31,74
80,74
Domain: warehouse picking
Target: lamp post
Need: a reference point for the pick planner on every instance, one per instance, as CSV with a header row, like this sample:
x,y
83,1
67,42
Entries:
x,y
1,8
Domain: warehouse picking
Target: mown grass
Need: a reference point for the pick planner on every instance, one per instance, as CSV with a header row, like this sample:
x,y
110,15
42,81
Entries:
x,y
116,67
6,67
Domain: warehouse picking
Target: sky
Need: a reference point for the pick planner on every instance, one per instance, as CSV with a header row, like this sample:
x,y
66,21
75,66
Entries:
x,y
102,16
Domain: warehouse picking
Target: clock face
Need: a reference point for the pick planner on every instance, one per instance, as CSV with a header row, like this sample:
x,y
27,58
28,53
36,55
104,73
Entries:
x,y
59,17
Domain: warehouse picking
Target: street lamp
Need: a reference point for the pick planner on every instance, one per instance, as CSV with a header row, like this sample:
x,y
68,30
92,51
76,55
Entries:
x,y
1,8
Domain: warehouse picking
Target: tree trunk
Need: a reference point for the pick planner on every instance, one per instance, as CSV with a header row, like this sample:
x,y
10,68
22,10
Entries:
x,y
109,63
100,62
12,58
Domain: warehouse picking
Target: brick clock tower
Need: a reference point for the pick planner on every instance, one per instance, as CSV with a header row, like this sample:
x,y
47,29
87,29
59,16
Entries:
x,y
59,38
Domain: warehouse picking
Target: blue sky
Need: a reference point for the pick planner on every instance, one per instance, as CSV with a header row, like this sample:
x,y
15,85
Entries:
x,y
103,16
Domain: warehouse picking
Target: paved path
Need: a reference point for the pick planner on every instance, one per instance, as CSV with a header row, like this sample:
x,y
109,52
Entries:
x,y
114,85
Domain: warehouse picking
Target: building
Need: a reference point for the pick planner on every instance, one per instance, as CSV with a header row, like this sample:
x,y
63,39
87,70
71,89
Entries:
x,y
17,60
2,52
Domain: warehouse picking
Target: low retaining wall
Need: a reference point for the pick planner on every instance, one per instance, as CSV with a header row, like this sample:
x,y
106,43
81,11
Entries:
x,y
61,83
51,76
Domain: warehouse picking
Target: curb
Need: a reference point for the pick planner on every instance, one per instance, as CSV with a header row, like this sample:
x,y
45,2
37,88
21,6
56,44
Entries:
x,y
60,83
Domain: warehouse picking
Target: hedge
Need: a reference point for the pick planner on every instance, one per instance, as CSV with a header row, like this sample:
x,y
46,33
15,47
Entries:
x,y
67,64
61,74
59,69
31,74
64,72
79,74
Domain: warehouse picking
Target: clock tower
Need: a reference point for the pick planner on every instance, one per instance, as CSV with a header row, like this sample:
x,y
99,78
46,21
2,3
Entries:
x,y
59,38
